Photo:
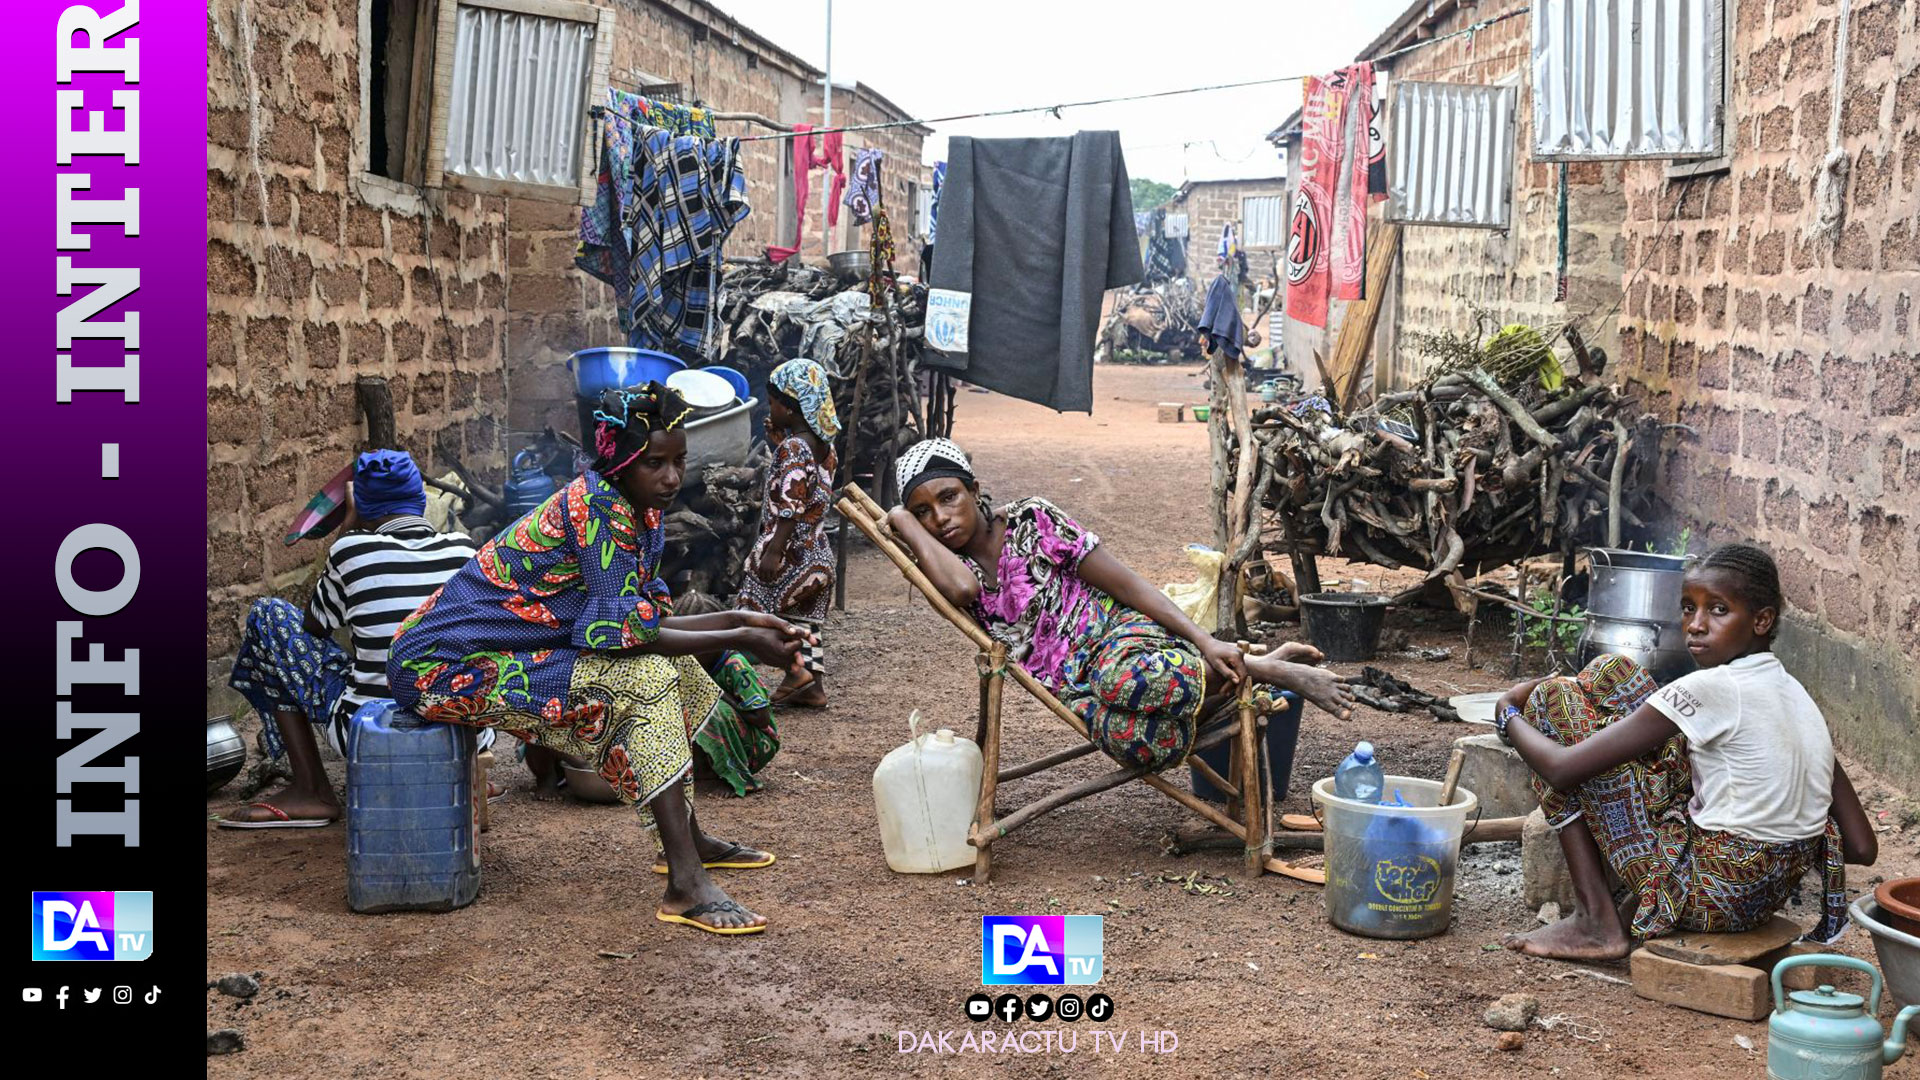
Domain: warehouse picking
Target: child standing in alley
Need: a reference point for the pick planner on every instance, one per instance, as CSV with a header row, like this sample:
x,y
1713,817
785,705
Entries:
x,y
790,569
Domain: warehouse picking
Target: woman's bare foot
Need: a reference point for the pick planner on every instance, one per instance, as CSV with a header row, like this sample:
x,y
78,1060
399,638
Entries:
x,y
721,910
547,788
298,804
1324,688
1297,652
1577,937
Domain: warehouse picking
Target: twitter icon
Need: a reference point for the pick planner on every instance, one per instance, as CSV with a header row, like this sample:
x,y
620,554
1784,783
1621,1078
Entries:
x,y
91,995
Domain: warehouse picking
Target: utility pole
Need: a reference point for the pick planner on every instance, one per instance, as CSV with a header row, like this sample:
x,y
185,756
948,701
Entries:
x,y
826,121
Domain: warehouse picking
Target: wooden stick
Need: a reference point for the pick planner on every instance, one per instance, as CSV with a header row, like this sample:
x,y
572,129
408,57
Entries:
x,y
1458,759
993,665
1621,444
1251,812
1298,873
1044,763
906,565
1488,385
1053,801
375,398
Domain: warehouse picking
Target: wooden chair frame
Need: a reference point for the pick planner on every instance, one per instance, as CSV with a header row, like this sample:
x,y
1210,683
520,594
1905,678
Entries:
x,y
1253,827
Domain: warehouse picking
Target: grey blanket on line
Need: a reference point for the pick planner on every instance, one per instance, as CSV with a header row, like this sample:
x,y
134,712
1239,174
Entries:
x,y
1037,230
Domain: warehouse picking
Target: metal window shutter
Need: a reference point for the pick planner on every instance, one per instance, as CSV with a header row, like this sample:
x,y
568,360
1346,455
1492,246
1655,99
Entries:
x,y
519,97
1627,78
1450,156
1265,220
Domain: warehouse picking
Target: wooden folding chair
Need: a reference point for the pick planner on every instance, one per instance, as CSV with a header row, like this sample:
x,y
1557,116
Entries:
x,y
1244,718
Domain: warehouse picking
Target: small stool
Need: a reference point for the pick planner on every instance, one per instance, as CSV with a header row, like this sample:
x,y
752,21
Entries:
x,y
1723,974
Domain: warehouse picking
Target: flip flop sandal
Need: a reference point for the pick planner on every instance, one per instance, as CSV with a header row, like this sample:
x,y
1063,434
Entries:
x,y
280,820
727,860
690,917
494,798
1301,823
784,699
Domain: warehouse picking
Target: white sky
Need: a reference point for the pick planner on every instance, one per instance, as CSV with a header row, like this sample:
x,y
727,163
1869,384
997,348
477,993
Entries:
x,y
938,59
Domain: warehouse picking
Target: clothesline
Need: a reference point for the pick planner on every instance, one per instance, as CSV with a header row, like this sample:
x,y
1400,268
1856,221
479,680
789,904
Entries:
x,y
1055,109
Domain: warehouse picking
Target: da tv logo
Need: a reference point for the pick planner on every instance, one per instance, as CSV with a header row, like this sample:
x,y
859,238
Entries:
x,y
92,925
1021,950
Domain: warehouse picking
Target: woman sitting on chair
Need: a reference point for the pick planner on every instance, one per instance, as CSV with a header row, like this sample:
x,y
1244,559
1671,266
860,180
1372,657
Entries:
x,y
1109,645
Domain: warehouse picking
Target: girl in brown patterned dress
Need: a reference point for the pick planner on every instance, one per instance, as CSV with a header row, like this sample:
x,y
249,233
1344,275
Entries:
x,y
790,569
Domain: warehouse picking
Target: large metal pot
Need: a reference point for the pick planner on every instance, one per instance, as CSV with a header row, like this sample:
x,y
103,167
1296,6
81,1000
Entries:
x,y
1633,609
226,752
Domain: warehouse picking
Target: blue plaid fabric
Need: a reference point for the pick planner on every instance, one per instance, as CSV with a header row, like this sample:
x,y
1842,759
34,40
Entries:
x,y
666,203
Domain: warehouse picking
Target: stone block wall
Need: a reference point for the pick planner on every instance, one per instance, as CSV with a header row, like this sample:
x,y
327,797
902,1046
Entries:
x,y
1444,273
1789,351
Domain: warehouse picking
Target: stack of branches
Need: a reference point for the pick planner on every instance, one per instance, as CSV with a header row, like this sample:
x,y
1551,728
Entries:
x,y
1496,457
1156,321
873,353
711,532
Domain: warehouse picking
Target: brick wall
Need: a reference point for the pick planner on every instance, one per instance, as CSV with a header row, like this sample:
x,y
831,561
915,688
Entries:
x,y
1793,355
468,305
311,285
1445,272
1211,205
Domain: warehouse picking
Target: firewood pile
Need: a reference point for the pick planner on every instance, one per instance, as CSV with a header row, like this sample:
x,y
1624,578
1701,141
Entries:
x,y
712,530
1497,456
773,313
1162,318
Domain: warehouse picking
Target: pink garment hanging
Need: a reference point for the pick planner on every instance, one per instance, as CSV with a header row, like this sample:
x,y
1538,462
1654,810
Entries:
x,y
803,154
837,161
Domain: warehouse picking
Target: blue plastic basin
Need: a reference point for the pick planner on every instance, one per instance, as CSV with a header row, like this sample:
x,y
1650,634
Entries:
x,y
595,370
742,389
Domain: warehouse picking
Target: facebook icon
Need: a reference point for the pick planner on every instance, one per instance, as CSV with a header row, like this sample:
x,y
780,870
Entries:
x,y
1038,949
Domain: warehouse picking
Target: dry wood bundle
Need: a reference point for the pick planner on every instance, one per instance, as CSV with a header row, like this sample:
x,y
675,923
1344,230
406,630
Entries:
x,y
712,529
1466,471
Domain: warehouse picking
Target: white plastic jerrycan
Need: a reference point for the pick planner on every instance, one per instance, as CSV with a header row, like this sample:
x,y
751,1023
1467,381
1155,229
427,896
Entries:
x,y
926,792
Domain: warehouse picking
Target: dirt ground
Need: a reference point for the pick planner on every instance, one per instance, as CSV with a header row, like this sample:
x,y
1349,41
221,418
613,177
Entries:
x,y
559,969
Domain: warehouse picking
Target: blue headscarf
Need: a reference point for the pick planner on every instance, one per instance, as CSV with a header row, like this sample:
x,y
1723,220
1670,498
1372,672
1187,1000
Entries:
x,y
386,482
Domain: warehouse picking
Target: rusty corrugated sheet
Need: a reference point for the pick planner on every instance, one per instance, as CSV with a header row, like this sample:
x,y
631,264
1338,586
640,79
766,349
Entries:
x,y
1450,156
519,96
1627,78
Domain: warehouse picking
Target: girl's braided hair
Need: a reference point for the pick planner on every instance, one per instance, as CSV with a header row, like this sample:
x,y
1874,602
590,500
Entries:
x,y
1759,577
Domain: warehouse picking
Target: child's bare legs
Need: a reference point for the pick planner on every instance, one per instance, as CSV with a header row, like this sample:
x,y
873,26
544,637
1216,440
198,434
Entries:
x,y
545,765
1594,931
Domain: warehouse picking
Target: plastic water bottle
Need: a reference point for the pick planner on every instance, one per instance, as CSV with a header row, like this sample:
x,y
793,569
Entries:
x,y
1359,777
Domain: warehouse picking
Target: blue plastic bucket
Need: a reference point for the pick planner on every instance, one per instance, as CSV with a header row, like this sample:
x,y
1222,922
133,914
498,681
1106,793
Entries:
x,y
742,389
595,370
1283,735
413,826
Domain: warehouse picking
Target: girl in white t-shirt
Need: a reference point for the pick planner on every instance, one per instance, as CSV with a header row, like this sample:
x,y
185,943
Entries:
x,y
1710,797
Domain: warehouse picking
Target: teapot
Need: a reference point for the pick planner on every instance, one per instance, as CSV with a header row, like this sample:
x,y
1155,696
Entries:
x,y
1826,1034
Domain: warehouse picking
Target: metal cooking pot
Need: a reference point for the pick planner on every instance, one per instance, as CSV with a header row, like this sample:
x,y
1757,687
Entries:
x,y
854,265
226,752
1633,609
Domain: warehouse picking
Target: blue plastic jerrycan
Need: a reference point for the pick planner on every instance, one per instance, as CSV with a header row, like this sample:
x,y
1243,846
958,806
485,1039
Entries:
x,y
413,825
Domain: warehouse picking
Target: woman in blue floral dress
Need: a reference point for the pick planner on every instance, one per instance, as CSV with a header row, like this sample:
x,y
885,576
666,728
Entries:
x,y
561,632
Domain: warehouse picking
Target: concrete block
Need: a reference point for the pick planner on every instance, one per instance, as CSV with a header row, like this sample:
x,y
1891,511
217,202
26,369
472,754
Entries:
x,y
1493,771
1735,991
1172,413
1745,947
1543,868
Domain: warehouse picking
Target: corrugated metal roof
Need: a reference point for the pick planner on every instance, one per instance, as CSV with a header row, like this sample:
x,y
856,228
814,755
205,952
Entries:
x,y
1450,155
1627,78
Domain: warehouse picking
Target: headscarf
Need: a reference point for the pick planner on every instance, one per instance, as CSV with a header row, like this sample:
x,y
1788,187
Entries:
x,y
625,421
806,383
931,459
387,482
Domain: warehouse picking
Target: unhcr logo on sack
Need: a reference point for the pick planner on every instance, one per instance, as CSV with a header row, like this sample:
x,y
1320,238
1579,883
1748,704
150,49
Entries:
x,y
1018,950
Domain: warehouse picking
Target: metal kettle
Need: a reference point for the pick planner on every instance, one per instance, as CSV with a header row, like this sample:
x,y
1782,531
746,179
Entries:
x,y
1826,1034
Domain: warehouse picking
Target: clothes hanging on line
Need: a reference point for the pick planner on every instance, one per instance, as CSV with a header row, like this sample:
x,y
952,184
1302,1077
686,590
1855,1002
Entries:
x,y
933,213
803,151
664,206
1327,228
674,117
863,191
1220,319
1037,230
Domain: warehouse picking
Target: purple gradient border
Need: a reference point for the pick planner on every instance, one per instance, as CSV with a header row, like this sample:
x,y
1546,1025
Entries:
x,y
159,499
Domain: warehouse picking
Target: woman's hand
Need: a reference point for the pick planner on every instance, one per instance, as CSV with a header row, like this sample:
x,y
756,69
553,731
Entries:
x,y
773,648
899,518
1224,659
1516,696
